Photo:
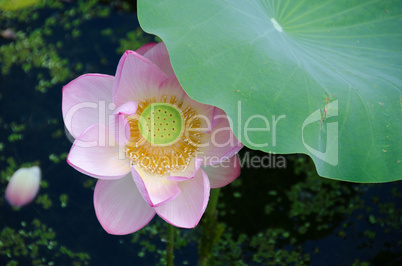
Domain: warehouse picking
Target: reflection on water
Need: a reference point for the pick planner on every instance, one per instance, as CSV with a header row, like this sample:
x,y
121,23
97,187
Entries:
x,y
267,216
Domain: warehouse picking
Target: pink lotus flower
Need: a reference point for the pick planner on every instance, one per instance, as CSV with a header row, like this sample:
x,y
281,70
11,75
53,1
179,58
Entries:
x,y
23,186
159,152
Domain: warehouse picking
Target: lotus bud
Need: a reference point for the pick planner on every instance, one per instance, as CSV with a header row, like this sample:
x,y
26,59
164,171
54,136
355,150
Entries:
x,y
23,186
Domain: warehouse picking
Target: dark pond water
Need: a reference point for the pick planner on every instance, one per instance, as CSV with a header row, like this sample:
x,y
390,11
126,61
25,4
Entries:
x,y
279,214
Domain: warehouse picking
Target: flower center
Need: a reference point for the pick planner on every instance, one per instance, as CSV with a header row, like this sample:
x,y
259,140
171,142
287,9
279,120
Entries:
x,y
165,135
161,124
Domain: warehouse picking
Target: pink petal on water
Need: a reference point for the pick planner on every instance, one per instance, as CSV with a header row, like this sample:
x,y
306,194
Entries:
x,y
23,186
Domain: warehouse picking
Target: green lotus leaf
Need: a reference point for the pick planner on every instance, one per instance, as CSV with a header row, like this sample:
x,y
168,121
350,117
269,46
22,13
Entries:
x,y
317,77
12,5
